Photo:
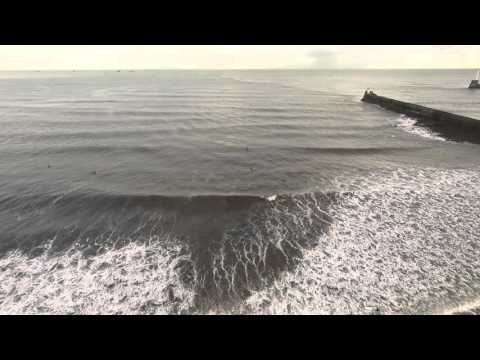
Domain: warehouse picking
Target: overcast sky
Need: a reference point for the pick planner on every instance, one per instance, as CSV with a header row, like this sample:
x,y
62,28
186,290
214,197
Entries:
x,y
89,57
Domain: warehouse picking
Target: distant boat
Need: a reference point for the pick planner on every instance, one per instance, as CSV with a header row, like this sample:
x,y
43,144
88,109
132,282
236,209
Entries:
x,y
475,84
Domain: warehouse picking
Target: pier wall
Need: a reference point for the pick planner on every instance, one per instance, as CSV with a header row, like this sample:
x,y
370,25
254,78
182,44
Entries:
x,y
451,126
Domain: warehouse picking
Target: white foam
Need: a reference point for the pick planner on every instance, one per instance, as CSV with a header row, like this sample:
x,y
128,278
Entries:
x,y
272,198
468,307
409,125
403,242
138,278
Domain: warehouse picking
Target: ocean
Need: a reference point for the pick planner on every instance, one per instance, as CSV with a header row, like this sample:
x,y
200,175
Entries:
x,y
235,192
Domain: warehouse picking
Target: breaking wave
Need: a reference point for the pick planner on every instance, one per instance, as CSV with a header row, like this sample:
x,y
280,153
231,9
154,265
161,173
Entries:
x,y
410,125
135,279
211,252
404,241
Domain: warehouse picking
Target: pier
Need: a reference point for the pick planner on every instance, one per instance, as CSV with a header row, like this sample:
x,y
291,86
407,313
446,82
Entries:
x,y
451,126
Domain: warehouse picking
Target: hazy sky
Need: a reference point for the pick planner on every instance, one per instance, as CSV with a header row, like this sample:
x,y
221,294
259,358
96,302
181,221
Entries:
x,y
59,57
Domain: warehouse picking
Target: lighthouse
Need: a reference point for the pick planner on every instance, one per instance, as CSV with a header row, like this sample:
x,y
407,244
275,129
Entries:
x,y
475,84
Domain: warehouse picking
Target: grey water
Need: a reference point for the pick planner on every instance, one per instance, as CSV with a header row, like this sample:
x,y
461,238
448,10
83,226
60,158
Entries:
x,y
253,192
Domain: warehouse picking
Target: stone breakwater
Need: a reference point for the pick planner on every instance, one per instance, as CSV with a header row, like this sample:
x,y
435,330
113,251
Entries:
x,y
451,126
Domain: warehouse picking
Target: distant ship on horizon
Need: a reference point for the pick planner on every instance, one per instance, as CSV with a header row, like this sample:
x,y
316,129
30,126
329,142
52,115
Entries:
x,y
475,84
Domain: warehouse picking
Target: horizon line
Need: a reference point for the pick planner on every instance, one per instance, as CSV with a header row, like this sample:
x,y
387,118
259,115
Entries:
x,y
232,69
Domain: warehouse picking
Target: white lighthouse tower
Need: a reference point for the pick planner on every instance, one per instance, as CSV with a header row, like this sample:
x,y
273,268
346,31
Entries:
x,y
475,83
